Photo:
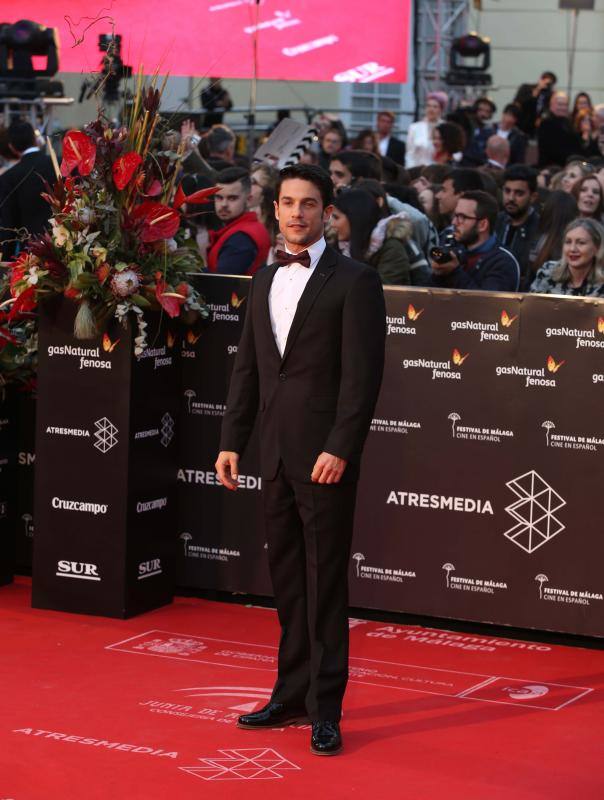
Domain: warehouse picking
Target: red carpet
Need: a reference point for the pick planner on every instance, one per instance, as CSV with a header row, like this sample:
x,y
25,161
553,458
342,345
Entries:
x,y
146,708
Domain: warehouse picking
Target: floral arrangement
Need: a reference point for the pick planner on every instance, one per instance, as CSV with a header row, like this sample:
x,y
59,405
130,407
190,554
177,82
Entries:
x,y
18,346
117,244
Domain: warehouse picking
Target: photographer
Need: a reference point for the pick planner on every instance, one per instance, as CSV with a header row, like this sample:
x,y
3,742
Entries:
x,y
474,260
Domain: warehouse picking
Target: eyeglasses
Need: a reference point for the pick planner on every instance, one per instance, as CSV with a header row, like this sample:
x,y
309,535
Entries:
x,y
463,217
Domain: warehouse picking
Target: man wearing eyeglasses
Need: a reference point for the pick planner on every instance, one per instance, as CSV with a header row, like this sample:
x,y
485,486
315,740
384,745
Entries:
x,y
477,261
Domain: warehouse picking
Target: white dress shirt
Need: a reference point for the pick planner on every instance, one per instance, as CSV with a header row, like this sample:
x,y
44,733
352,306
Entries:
x,y
383,145
286,290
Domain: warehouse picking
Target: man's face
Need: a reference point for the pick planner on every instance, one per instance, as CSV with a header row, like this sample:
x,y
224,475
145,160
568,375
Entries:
x,y
517,198
508,121
447,199
340,174
559,105
484,112
300,213
466,226
332,142
384,124
230,201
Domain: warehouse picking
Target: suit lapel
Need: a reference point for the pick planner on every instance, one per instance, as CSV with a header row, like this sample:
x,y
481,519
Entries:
x,y
264,293
321,274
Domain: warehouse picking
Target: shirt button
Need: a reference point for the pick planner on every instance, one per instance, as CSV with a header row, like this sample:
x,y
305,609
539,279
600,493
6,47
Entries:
x,y
282,376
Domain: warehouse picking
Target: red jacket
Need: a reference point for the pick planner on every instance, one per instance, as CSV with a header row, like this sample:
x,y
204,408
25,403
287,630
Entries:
x,y
247,223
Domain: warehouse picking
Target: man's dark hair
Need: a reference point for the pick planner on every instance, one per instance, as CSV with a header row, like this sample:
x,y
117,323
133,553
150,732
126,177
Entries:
x,y
486,206
361,163
218,139
512,109
465,180
21,135
234,174
551,75
312,173
435,173
520,172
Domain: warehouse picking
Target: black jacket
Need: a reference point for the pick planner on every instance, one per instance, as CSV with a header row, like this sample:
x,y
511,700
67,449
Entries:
x,y
20,203
320,396
519,240
557,141
496,270
396,150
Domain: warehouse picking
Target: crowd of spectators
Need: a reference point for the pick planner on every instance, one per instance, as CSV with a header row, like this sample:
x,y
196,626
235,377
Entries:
x,y
471,199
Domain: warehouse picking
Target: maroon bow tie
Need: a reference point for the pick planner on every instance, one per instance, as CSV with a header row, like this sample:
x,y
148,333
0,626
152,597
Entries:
x,y
285,259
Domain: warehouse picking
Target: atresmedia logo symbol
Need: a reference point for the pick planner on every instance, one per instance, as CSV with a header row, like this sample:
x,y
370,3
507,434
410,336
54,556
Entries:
x,y
105,435
167,429
534,511
243,764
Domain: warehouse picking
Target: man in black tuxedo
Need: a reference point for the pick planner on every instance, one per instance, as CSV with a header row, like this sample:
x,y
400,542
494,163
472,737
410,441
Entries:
x,y
310,359
388,144
23,211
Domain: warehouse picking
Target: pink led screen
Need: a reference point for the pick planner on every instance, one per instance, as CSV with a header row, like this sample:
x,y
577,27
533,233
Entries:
x,y
311,40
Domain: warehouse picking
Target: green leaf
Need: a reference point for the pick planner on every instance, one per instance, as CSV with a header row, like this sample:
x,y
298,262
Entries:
x,y
140,301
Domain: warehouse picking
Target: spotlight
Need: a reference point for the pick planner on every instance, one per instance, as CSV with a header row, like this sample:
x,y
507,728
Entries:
x,y
113,70
19,43
470,58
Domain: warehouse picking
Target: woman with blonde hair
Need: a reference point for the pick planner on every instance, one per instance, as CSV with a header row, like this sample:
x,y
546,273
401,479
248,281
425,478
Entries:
x,y
420,149
580,271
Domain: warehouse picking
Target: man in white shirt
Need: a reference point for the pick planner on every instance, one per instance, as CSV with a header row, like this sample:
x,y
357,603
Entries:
x,y
310,359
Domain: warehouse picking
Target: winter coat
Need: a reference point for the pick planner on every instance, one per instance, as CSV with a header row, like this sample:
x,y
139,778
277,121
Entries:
x,y
388,250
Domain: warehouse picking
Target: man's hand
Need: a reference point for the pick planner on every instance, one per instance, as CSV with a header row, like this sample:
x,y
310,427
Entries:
x,y
227,467
328,469
189,135
447,267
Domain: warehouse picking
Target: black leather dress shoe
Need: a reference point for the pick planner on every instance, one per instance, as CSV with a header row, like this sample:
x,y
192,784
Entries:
x,y
273,715
326,739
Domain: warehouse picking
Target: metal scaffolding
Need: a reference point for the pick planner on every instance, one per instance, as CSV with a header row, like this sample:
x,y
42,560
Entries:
x,y
437,23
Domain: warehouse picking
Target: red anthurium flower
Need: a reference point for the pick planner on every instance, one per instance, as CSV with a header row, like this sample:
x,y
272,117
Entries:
x,y
158,221
124,168
196,197
26,301
154,189
78,151
167,300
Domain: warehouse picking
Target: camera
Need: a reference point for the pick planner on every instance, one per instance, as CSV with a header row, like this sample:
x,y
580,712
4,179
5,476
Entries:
x,y
442,253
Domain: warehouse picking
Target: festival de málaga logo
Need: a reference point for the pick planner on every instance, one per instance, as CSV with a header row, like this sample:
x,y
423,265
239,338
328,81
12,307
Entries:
x,y
401,324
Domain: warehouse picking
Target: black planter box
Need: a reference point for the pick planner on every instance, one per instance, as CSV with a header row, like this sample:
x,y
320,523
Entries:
x,y
105,481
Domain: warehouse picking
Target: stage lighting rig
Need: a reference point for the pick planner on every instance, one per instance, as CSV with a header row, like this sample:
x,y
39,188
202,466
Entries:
x,y
469,60
19,43
112,72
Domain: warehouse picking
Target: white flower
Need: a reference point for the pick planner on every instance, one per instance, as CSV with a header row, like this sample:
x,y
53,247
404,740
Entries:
x,y
60,235
33,276
171,245
125,283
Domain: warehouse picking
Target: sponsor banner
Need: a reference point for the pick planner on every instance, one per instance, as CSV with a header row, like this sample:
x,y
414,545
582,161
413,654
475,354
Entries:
x,y
488,429
104,502
216,551
8,481
26,459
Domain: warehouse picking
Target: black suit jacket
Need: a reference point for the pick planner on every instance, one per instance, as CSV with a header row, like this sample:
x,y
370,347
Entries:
x,y
320,396
20,203
396,150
